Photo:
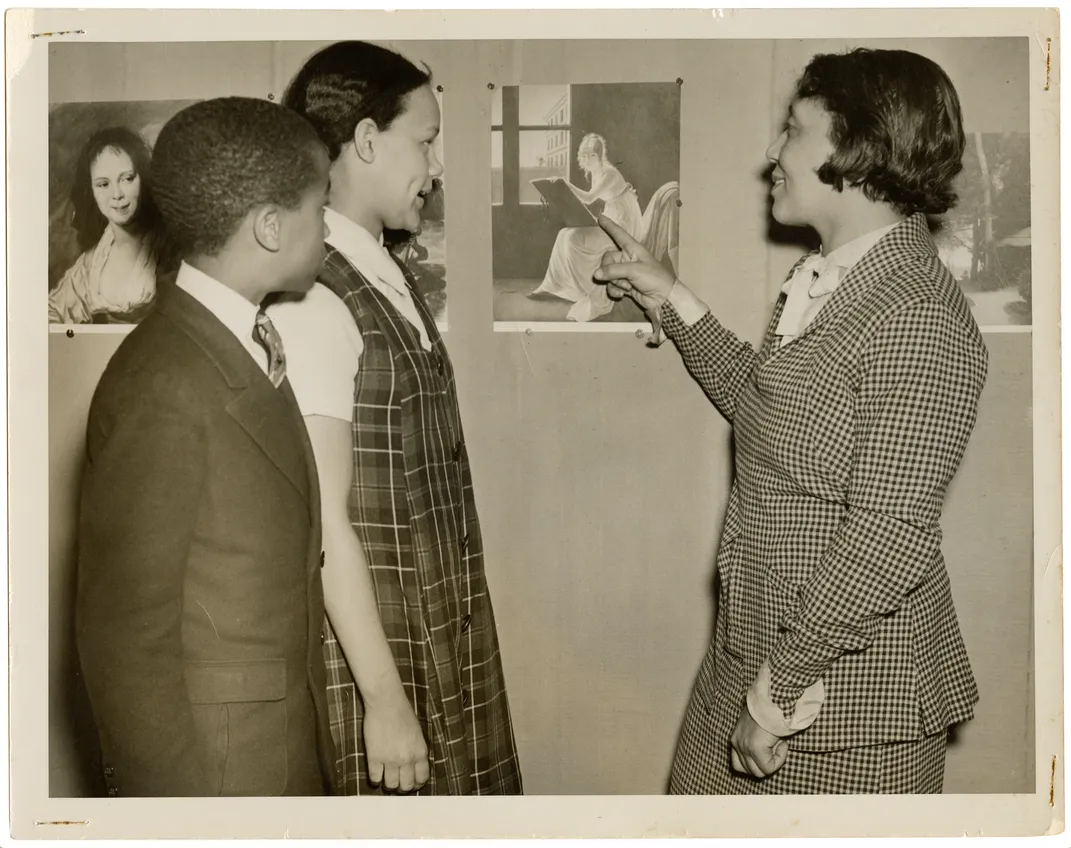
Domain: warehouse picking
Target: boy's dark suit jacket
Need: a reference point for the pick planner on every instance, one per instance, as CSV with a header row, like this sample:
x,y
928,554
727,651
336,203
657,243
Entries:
x,y
200,603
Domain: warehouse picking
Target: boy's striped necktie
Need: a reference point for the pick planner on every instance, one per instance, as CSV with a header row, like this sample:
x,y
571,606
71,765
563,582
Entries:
x,y
265,334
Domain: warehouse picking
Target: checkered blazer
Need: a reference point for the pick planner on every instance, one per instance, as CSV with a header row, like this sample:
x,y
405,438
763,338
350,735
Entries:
x,y
412,507
830,562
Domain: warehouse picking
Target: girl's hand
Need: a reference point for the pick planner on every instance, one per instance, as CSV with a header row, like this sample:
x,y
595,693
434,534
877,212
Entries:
x,y
395,747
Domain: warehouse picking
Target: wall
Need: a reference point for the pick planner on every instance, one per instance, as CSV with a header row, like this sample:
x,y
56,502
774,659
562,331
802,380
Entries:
x,y
601,471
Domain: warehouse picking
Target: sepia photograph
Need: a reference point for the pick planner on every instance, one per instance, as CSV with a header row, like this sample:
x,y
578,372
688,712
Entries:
x,y
726,463
560,156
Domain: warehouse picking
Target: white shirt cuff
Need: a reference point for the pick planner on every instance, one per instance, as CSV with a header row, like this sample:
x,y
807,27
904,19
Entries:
x,y
687,305
769,716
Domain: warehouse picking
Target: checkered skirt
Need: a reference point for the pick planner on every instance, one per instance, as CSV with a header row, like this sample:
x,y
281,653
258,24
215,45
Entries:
x,y
412,507
703,763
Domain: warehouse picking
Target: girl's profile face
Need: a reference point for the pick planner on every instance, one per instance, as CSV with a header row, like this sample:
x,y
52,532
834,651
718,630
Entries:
x,y
409,161
116,185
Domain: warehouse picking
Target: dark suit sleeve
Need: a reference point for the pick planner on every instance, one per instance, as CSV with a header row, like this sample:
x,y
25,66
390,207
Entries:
x,y
922,376
141,494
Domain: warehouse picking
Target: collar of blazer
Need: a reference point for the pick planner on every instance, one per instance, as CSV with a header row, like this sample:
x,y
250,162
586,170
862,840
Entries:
x,y
908,240
270,416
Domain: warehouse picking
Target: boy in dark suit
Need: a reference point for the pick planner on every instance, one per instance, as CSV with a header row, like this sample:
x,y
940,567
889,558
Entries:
x,y
200,601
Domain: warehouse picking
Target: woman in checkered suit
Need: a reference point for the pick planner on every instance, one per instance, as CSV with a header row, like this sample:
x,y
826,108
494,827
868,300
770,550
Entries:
x,y
416,688
837,664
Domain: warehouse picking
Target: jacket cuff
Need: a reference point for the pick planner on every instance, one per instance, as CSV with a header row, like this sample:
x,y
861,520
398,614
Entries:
x,y
771,718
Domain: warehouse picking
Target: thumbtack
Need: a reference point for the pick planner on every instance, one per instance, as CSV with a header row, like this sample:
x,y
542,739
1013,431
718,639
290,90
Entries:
x,y
439,89
680,80
639,334
679,204
490,86
271,96
528,331
70,334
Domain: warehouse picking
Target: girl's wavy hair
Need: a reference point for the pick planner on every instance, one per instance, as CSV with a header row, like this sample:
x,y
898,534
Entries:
x,y
89,222
897,128
346,82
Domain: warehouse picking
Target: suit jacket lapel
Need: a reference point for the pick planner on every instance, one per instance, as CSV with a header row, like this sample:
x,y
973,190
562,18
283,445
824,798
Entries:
x,y
769,341
312,477
908,239
267,414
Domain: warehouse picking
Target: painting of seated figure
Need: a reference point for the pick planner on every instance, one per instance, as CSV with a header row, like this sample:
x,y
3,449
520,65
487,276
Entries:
x,y
560,156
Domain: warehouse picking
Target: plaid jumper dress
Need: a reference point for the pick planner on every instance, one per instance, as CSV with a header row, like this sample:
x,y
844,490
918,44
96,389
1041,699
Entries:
x,y
829,565
412,507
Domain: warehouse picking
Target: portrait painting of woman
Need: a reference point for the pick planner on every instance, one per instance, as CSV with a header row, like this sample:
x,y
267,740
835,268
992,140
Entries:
x,y
113,280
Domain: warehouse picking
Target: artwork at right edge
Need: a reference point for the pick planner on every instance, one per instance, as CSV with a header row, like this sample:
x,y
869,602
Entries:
x,y
985,239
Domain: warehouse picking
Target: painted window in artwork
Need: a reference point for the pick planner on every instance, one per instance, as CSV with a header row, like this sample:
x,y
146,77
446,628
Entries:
x,y
544,105
530,138
542,154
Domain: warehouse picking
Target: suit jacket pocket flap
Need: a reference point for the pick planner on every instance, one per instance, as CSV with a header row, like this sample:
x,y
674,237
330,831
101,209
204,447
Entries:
x,y
236,681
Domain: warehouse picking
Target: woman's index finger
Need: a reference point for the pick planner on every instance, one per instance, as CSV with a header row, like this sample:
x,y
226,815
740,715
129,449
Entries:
x,y
618,233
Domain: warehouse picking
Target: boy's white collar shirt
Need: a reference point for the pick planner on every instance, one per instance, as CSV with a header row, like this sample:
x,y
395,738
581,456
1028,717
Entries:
x,y
235,312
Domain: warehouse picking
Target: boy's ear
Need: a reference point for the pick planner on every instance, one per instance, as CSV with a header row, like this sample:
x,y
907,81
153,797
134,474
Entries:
x,y
267,227
365,136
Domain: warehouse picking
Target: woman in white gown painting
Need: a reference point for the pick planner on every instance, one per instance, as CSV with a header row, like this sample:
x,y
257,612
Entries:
x,y
578,250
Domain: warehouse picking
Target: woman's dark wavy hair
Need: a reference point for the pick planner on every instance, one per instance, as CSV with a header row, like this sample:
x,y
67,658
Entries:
x,y
346,82
89,221
897,129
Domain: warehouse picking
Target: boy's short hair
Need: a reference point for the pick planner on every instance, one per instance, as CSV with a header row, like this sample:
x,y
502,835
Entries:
x,y
217,160
346,82
897,129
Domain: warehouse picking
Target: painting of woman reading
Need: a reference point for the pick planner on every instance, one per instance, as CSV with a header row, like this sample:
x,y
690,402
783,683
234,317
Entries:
x,y
578,250
578,151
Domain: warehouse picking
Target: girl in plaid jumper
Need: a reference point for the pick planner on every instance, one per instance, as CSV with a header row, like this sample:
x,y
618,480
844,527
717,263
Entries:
x,y
415,683
837,665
